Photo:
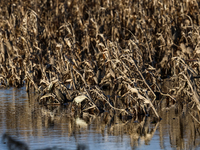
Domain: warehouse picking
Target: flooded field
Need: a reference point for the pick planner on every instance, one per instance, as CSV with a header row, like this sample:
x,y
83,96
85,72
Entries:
x,y
71,52
44,127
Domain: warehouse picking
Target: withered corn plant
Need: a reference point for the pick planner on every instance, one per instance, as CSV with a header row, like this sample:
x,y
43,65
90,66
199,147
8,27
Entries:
x,y
67,48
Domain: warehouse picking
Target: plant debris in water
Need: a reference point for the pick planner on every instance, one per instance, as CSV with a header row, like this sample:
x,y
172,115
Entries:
x,y
67,49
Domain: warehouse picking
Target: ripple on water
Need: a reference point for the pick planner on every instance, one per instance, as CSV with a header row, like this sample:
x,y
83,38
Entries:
x,y
46,126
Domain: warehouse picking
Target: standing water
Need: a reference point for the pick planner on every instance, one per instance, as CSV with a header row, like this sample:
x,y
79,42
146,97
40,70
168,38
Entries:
x,y
42,127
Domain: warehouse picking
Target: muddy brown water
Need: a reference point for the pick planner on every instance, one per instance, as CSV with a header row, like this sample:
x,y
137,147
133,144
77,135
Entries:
x,y
51,127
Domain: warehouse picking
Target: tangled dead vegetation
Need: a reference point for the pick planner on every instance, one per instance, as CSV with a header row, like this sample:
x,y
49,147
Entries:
x,y
64,49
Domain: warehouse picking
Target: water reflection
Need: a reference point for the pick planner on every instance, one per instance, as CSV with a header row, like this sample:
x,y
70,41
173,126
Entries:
x,y
53,127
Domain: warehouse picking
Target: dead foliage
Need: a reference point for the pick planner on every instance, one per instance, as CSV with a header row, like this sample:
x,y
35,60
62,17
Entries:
x,y
65,49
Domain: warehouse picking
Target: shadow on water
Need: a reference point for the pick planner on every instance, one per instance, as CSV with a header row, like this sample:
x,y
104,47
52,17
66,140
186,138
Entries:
x,y
53,127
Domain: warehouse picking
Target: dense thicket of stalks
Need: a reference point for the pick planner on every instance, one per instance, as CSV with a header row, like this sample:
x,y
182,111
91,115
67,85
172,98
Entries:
x,y
66,48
